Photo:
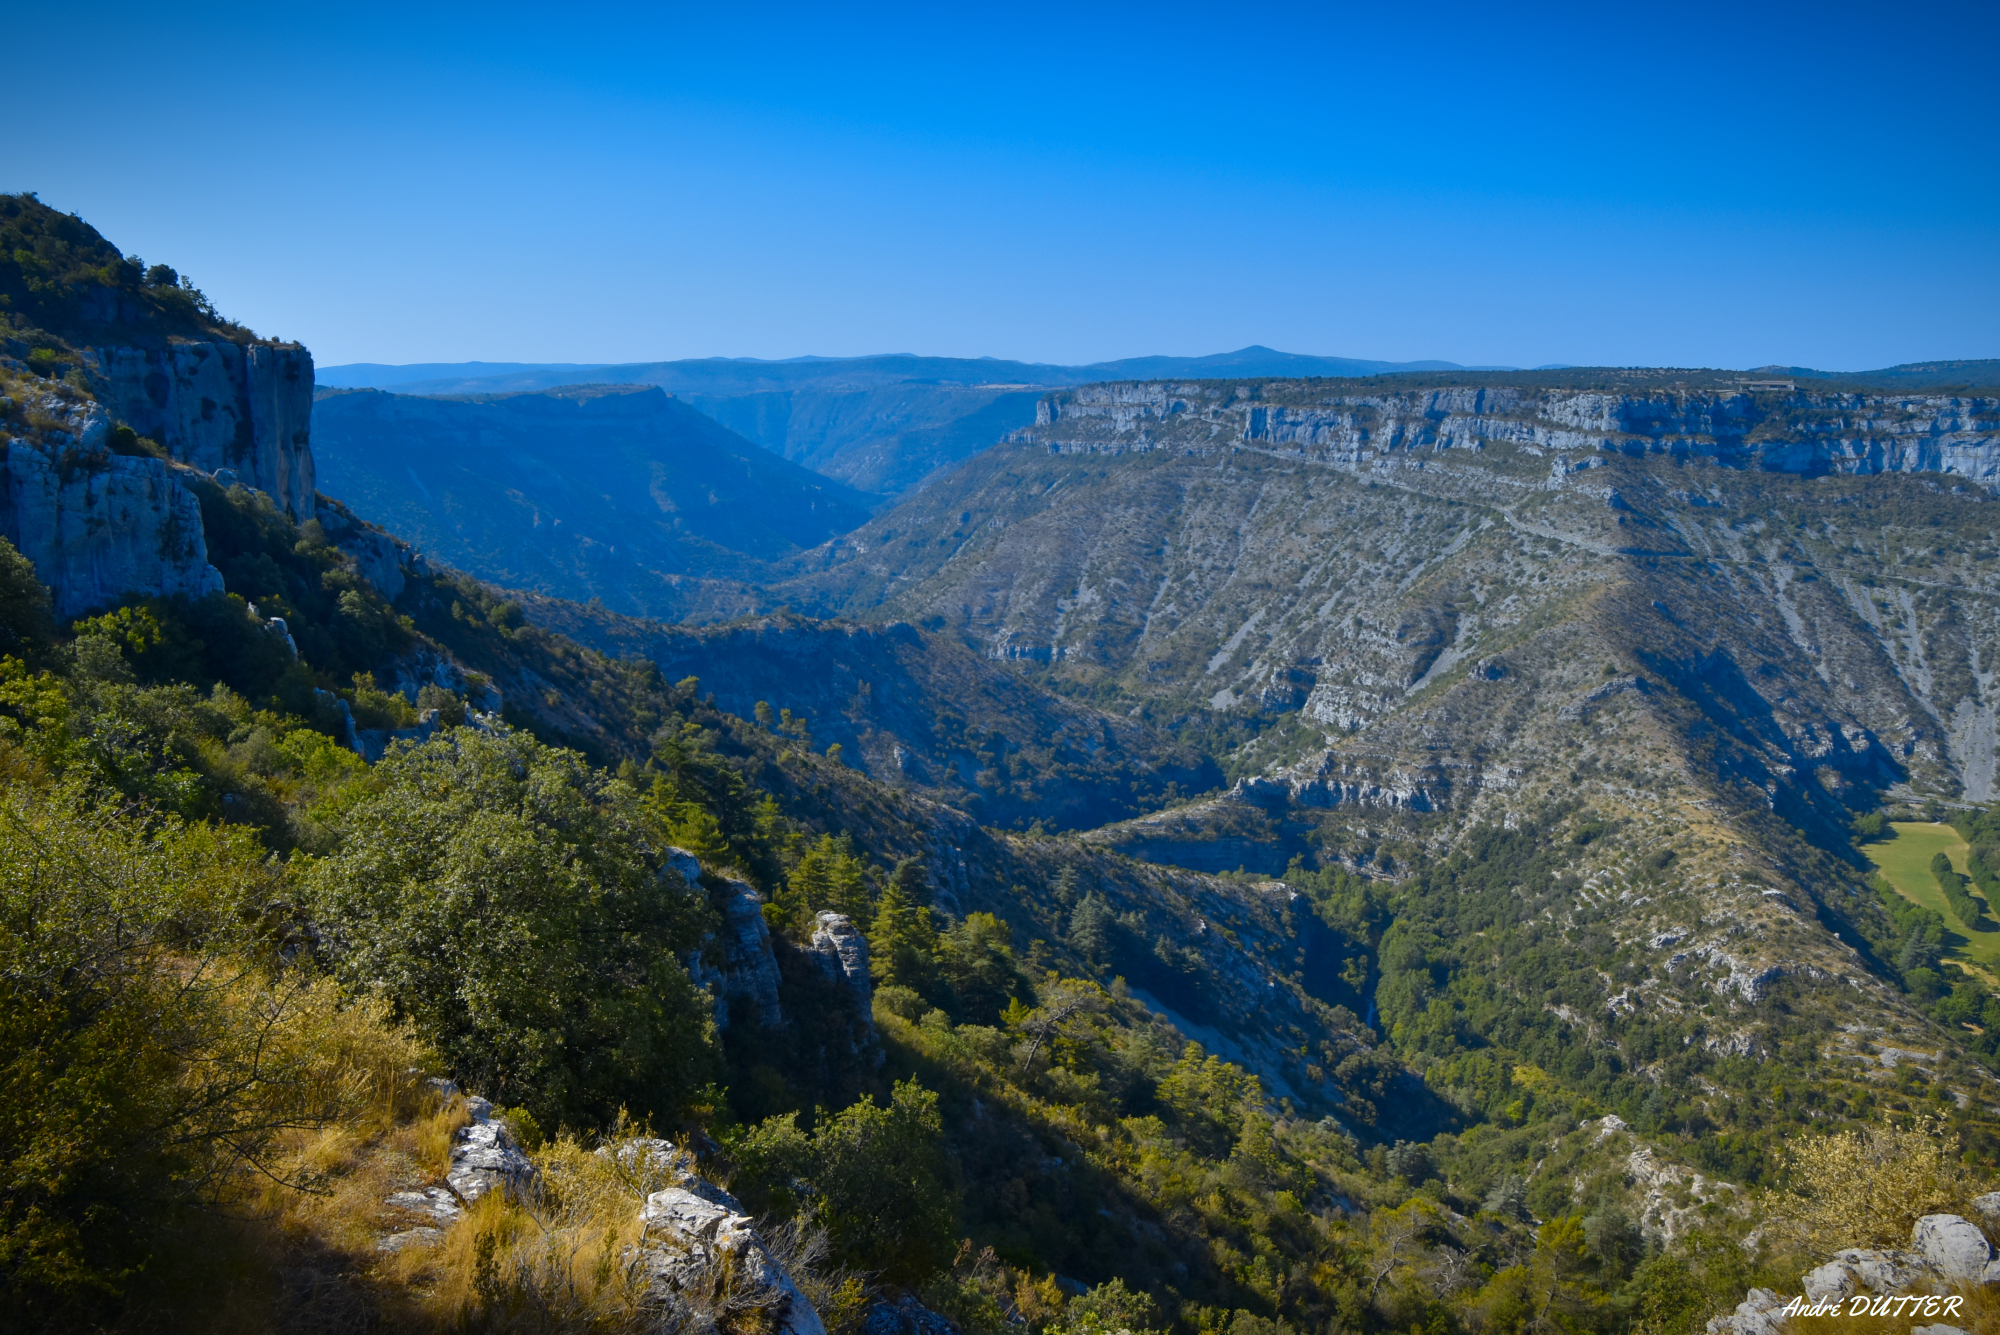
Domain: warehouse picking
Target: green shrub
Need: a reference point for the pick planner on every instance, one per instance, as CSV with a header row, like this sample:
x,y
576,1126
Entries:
x,y
150,1042
877,1179
500,896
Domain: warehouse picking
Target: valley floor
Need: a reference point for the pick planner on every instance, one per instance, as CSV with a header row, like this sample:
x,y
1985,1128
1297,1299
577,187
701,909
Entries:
x,y
1906,863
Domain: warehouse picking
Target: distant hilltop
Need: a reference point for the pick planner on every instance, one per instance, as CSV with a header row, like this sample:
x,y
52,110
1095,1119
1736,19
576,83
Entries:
x,y
751,375
747,375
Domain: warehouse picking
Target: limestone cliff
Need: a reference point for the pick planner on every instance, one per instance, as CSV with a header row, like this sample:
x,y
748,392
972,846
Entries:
x,y
102,516
217,405
96,525
1789,431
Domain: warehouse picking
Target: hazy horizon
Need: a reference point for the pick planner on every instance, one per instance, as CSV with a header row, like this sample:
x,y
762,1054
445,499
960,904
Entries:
x,y
502,366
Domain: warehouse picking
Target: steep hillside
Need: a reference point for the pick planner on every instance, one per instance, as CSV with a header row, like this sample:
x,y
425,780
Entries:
x,y
610,492
1604,616
1534,927
914,711
885,440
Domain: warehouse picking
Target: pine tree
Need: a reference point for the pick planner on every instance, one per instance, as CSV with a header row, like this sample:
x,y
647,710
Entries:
x,y
914,881
902,945
829,876
1090,928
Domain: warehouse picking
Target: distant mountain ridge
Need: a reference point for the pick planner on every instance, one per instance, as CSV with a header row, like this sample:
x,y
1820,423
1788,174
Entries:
x,y
611,491
887,424
881,424
722,375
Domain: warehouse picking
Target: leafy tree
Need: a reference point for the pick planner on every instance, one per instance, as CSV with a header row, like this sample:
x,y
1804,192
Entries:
x,y
913,881
1866,1187
685,824
152,1044
1111,1309
1090,927
1063,1003
885,1185
25,622
502,898
878,1179
976,959
828,876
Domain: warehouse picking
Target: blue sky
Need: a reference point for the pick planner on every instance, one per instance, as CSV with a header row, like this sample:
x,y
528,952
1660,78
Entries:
x,y
1723,185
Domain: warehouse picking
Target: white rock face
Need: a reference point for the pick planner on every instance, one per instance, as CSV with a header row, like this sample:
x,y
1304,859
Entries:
x,y
1805,431
1761,1313
686,864
1830,1283
1953,1246
696,1232
843,954
436,1206
485,1156
219,405
97,526
749,969
1884,1271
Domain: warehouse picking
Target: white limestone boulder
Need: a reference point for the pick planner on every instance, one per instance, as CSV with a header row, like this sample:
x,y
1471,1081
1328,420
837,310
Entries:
x,y
702,1253
1953,1246
1830,1283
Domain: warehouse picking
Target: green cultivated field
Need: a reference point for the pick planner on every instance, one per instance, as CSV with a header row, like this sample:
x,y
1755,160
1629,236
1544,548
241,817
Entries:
x,y
1906,862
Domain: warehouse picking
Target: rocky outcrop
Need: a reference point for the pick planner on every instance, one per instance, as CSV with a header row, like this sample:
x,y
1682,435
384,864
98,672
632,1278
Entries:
x,y
381,559
485,1156
700,1258
1946,1253
748,971
430,1211
1952,1246
219,406
702,1255
1760,1313
98,525
1794,431
842,954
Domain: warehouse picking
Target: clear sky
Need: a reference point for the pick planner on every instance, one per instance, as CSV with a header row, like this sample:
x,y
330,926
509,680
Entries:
x,y
1703,185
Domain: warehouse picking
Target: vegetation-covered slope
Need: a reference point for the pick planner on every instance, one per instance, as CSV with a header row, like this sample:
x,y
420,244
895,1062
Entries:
x,y
1693,676
914,711
596,492
64,287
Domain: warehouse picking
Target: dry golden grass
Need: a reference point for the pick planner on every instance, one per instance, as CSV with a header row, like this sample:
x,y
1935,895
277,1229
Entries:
x,y
305,1227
